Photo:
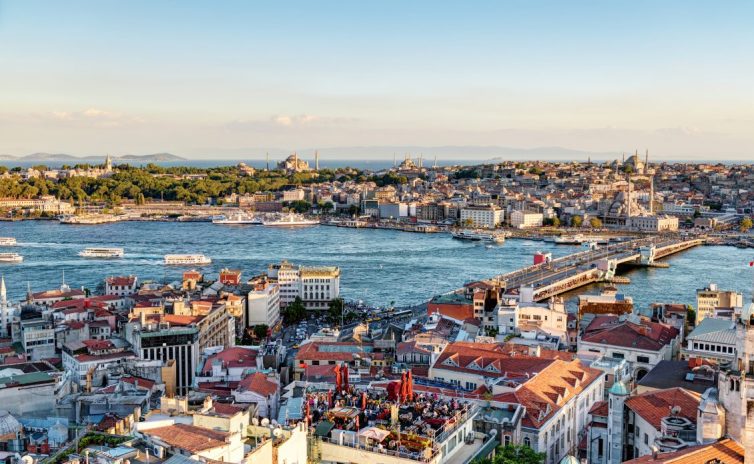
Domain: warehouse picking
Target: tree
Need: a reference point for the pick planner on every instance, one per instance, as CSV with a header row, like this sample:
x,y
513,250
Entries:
x,y
335,310
552,222
294,312
260,331
746,224
513,454
326,206
690,315
577,221
595,223
300,206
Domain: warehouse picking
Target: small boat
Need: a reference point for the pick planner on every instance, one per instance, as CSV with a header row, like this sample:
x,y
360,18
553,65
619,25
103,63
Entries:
x,y
11,258
291,220
569,240
186,260
7,241
101,253
89,219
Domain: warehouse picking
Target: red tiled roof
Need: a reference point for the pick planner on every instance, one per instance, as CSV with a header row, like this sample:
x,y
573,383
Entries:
x,y
476,358
258,383
545,393
311,351
127,281
227,409
652,336
138,381
233,357
726,451
600,408
653,406
188,437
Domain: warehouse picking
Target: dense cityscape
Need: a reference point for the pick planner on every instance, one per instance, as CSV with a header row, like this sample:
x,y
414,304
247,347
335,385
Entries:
x,y
277,365
392,232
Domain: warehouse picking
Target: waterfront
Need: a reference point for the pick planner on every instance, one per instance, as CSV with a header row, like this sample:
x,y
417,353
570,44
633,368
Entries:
x,y
378,266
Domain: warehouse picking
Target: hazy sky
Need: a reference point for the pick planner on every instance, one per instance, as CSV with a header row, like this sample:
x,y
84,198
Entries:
x,y
228,78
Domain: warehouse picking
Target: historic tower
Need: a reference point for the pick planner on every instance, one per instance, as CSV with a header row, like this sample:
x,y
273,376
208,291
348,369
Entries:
x,y
736,386
617,396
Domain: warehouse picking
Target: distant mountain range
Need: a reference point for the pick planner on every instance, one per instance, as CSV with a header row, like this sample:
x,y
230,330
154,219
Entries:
x,y
45,157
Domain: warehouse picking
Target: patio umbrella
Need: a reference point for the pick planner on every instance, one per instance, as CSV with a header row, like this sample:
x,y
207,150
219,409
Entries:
x,y
363,400
338,377
345,377
410,388
329,399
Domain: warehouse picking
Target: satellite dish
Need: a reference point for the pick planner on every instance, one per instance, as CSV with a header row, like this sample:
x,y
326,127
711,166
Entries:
x,y
255,421
675,410
27,459
277,432
265,422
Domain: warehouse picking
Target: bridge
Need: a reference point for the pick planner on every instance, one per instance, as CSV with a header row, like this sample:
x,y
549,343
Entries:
x,y
566,273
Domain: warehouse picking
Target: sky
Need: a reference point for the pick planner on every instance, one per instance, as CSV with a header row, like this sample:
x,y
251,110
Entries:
x,y
225,79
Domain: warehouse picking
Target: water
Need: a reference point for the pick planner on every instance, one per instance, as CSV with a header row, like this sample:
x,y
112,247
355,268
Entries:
x,y
377,266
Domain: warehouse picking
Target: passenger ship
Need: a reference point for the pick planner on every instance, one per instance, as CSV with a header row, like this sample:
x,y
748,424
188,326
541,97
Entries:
x,y
237,218
101,253
291,220
11,258
478,236
7,241
186,260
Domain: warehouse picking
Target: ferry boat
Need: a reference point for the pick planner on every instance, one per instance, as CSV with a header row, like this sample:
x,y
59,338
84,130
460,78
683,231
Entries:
x,y
291,220
237,218
186,260
569,240
89,219
477,236
101,253
11,258
7,241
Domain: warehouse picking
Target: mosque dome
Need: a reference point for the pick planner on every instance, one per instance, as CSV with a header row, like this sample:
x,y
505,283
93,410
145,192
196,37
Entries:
x,y
619,388
58,433
569,460
8,424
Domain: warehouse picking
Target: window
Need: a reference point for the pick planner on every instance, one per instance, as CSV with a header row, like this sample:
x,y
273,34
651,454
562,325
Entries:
x,y
642,359
618,355
646,439
507,440
527,442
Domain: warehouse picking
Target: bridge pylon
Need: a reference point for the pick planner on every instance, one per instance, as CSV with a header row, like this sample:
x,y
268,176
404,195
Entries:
x,y
647,255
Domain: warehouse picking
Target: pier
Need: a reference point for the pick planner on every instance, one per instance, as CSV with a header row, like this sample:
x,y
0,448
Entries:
x,y
566,273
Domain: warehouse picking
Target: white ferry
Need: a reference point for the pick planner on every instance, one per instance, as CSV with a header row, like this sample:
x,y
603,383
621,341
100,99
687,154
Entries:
x,y
101,253
477,236
11,258
7,241
569,240
90,219
237,218
291,220
186,260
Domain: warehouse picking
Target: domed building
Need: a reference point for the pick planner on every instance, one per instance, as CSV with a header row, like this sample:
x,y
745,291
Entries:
x,y
294,164
10,432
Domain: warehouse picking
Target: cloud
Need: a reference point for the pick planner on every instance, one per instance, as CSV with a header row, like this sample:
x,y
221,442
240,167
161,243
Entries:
x,y
284,121
93,117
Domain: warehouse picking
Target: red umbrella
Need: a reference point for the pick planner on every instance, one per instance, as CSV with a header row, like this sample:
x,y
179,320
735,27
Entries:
x,y
403,387
357,423
338,377
345,377
410,387
363,400
329,399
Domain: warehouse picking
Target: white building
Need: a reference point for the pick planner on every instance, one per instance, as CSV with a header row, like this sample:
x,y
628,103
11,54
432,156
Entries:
x,y
489,216
263,304
652,223
121,285
515,318
526,219
316,286
713,338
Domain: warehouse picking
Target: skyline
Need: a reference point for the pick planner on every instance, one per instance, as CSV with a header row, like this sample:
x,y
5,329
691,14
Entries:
x,y
200,82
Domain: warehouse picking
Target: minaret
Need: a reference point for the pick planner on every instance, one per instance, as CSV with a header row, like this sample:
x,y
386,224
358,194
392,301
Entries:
x,y
628,200
652,195
267,155
624,157
646,158
421,160
316,160
3,292
108,163
617,396
434,165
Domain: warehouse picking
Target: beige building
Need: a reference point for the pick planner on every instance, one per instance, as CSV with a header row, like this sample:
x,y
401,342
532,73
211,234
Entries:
x,y
711,298
655,223
316,286
43,203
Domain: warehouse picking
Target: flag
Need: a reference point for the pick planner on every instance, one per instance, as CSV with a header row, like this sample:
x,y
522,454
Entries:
x,y
751,263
